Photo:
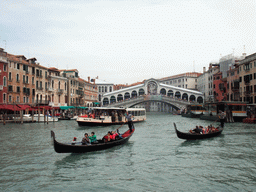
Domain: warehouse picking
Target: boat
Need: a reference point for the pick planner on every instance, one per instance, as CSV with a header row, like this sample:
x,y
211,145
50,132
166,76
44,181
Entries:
x,y
194,136
235,111
193,111
41,118
105,116
79,148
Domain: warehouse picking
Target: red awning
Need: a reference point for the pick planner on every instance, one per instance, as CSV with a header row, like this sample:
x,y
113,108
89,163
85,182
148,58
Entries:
x,y
46,107
23,107
10,107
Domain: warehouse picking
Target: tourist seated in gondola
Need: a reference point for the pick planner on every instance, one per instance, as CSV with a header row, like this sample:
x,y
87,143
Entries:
x,y
74,141
107,137
85,140
197,130
114,135
93,138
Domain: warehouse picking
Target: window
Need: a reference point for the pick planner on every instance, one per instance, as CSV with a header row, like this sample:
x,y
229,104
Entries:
x,y
4,97
10,76
45,85
45,74
24,78
33,80
4,83
24,99
10,98
27,79
18,66
18,99
18,89
17,78
5,67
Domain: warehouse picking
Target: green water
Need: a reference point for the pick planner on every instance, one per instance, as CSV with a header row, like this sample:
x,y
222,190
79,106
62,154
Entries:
x,y
154,159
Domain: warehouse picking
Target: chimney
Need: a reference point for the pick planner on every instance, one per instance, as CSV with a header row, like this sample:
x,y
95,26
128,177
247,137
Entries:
x,y
88,79
204,70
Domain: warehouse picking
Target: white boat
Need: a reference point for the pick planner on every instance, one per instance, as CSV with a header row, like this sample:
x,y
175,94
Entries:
x,y
102,116
41,118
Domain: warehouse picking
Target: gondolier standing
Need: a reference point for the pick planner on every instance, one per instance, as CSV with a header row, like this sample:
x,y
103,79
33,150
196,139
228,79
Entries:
x,y
129,119
222,116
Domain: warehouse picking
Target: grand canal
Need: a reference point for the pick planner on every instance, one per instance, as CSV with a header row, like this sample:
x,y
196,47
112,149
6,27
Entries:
x,y
153,160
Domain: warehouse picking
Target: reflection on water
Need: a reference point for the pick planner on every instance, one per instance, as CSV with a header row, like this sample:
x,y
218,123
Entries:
x,y
153,160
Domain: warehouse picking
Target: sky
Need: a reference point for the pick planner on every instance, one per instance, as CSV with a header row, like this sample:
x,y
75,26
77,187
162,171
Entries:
x,y
127,41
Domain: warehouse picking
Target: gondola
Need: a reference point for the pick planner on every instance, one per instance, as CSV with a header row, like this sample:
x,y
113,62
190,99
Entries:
x,y
193,136
79,148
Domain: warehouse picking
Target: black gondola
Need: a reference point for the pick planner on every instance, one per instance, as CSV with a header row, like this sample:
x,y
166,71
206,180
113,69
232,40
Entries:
x,y
101,145
193,136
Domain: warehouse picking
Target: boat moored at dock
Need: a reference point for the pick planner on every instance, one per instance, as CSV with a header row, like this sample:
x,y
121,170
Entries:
x,y
104,116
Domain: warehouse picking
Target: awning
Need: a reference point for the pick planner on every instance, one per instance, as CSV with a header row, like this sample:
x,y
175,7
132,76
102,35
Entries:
x,y
66,107
46,107
10,107
82,107
23,107
96,103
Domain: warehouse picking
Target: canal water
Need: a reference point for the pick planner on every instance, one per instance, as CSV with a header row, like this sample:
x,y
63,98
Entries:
x,y
154,159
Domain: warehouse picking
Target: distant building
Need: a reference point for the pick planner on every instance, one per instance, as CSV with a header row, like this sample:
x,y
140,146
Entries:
x,y
184,80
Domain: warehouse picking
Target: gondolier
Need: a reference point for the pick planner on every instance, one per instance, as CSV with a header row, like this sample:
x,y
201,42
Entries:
x,y
129,120
222,116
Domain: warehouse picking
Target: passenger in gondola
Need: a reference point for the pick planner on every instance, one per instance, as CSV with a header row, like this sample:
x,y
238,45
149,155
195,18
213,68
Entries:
x,y
93,138
197,130
85,140
114,135
107,137
74,141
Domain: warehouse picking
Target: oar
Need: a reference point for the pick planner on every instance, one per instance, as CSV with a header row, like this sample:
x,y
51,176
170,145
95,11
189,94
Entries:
x,y
214,122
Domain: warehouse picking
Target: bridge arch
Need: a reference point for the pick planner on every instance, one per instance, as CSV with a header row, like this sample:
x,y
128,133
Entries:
x,y
170,93
177,94
163,91
134,94
127,95
141,92
185,96
105,101
120,97
112,99
192,98
200,99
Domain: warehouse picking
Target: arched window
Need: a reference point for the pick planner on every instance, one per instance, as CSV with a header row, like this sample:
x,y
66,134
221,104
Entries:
x,y
126,95
52,84
185,96
65,86
134,93
110,89
200,99
141,92
170,93
105,101
163,91
177,94
192,98
59,85
106,89
99,88
112,99
120,97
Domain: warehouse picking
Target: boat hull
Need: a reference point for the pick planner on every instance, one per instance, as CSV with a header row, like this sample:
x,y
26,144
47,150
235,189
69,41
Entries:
x,y
194,136
102,123
69,148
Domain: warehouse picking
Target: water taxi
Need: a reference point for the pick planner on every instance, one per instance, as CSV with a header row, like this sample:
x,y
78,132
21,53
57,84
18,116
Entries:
x,y
102,116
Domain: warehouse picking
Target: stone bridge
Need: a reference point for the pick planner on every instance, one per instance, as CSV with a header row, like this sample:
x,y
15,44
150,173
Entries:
x,y
152,90
175,103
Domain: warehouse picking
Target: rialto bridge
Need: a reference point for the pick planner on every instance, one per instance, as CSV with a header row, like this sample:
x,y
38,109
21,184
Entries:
x,y
152,91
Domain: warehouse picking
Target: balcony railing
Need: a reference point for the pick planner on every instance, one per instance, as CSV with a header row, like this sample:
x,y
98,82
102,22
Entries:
x,y
42,102
39,88
59,91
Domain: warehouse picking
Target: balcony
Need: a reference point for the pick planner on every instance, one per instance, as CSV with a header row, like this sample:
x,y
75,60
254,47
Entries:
x,y
50,89
27,72
42,102
10,80
235,88
59,91
247,92
39,88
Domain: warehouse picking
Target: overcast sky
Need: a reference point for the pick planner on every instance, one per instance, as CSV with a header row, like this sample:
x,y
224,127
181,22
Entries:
x,y
126,41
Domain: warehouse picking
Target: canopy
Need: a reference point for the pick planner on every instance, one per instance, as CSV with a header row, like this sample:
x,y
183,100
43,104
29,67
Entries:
x,y
23,107
96,103
10,107
82,107
66,107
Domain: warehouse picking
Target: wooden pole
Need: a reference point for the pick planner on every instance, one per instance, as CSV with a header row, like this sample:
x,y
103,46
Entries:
x,y
53,115
38,115
47,116
4,119
44,114
32,115
21,116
